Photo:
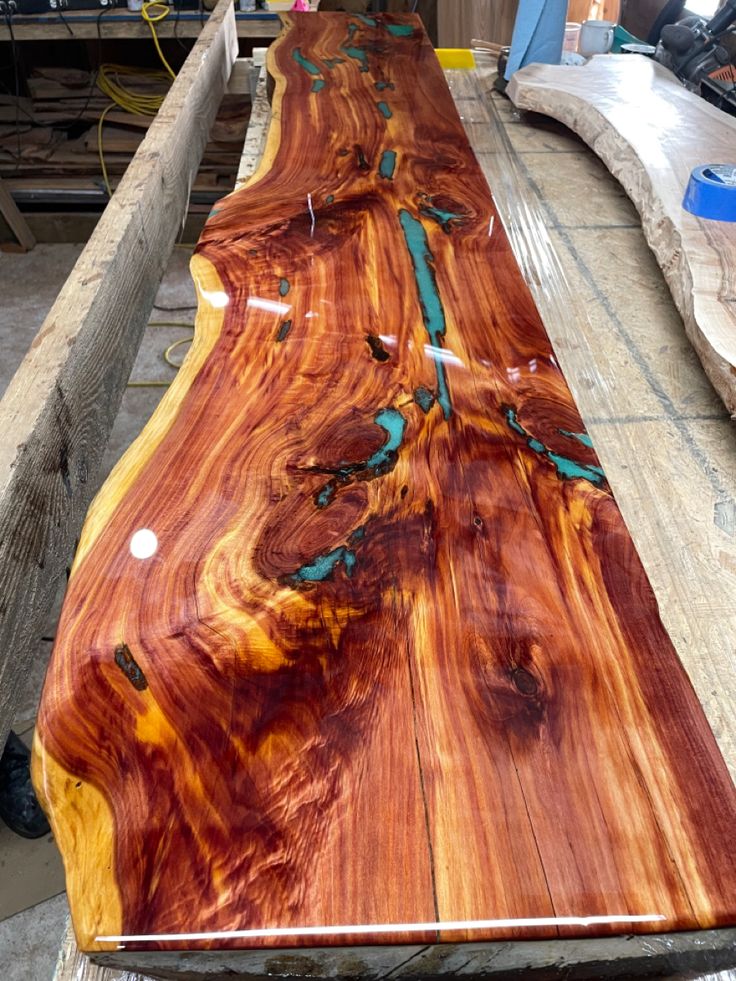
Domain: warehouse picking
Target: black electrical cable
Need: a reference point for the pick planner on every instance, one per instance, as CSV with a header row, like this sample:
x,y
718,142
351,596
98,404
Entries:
x,y
93,72
65,22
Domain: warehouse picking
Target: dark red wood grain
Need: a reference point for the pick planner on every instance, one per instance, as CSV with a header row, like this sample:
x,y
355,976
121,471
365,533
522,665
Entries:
x,y
395,663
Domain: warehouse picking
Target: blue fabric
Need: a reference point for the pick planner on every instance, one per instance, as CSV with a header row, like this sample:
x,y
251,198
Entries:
x,y
539,33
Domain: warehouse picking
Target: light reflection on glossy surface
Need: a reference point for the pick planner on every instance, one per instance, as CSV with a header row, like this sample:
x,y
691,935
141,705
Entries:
x,y
143,544
374,929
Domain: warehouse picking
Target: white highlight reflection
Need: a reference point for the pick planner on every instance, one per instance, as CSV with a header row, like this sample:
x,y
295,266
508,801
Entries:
x,y
216,298
443,355
539,921
143,544
272,306
312,215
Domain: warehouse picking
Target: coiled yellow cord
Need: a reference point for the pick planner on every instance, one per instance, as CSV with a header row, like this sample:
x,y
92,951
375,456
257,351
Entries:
x,y
151,20
155,383
109,82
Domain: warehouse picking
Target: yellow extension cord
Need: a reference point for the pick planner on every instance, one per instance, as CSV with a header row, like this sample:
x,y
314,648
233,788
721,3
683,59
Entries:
x,y
167,353
109,81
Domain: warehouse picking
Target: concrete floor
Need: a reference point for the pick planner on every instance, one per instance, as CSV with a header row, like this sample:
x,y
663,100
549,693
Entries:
x,y
33,907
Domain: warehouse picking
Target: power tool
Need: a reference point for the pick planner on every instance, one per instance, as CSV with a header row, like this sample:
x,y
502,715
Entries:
x,y
702,53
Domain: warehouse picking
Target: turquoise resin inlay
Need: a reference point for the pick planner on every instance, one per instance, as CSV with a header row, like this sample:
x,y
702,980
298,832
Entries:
x,y
423,398
384,109
388,164
580,437
442,217
306,64
400,30
566,468
379,463
284,287
323,565
429,298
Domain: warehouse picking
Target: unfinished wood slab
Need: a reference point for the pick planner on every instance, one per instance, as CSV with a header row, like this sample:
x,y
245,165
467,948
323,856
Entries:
x,y
650,132
357,648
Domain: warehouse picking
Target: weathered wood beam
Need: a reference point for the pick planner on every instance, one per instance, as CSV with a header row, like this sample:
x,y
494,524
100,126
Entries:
x,y
15,220
58,411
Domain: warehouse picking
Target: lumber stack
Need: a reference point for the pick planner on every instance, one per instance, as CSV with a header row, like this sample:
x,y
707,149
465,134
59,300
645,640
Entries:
x,y
50,139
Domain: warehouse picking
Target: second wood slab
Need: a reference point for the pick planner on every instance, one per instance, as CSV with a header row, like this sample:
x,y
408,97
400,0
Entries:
x,y
651,132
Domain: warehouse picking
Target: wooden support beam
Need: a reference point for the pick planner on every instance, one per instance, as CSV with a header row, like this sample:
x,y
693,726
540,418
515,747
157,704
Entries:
x,y
59,409
16,221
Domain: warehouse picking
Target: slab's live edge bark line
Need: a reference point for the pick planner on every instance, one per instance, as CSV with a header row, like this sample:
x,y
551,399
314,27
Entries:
x,y
356,635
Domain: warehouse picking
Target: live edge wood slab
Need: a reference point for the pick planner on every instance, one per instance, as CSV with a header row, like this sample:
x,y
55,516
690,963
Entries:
x,y
651,132
357,648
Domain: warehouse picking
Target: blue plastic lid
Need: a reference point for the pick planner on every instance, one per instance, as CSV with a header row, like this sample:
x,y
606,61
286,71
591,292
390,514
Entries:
x,y
711,192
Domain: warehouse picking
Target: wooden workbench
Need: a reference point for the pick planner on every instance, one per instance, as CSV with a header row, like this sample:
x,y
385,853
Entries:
x,y
667,446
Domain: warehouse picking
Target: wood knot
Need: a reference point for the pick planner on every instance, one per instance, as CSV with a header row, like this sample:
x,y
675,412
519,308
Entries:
x,y
525,682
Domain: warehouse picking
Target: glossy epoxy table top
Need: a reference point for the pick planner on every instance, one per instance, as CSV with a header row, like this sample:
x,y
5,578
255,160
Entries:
x,y
357,647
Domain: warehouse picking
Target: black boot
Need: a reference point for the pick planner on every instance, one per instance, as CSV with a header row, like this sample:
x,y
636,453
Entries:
x,y
19,808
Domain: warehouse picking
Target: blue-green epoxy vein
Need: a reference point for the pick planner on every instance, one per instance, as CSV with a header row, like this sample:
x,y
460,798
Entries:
x,y
381,86
318,84
442,217
370,21
358,54
384,110
567,468
379,463
333,62
329,199
323,565
394,423
400,30
388,164
284,287
306,64
283,331
215,211
429,298
580,437
423,398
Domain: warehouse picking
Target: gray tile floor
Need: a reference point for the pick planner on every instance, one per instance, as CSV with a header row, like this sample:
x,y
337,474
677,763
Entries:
x,y
33,907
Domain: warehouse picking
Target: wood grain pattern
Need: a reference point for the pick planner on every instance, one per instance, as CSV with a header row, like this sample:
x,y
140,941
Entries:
x,y
394,672
461,20
651,133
